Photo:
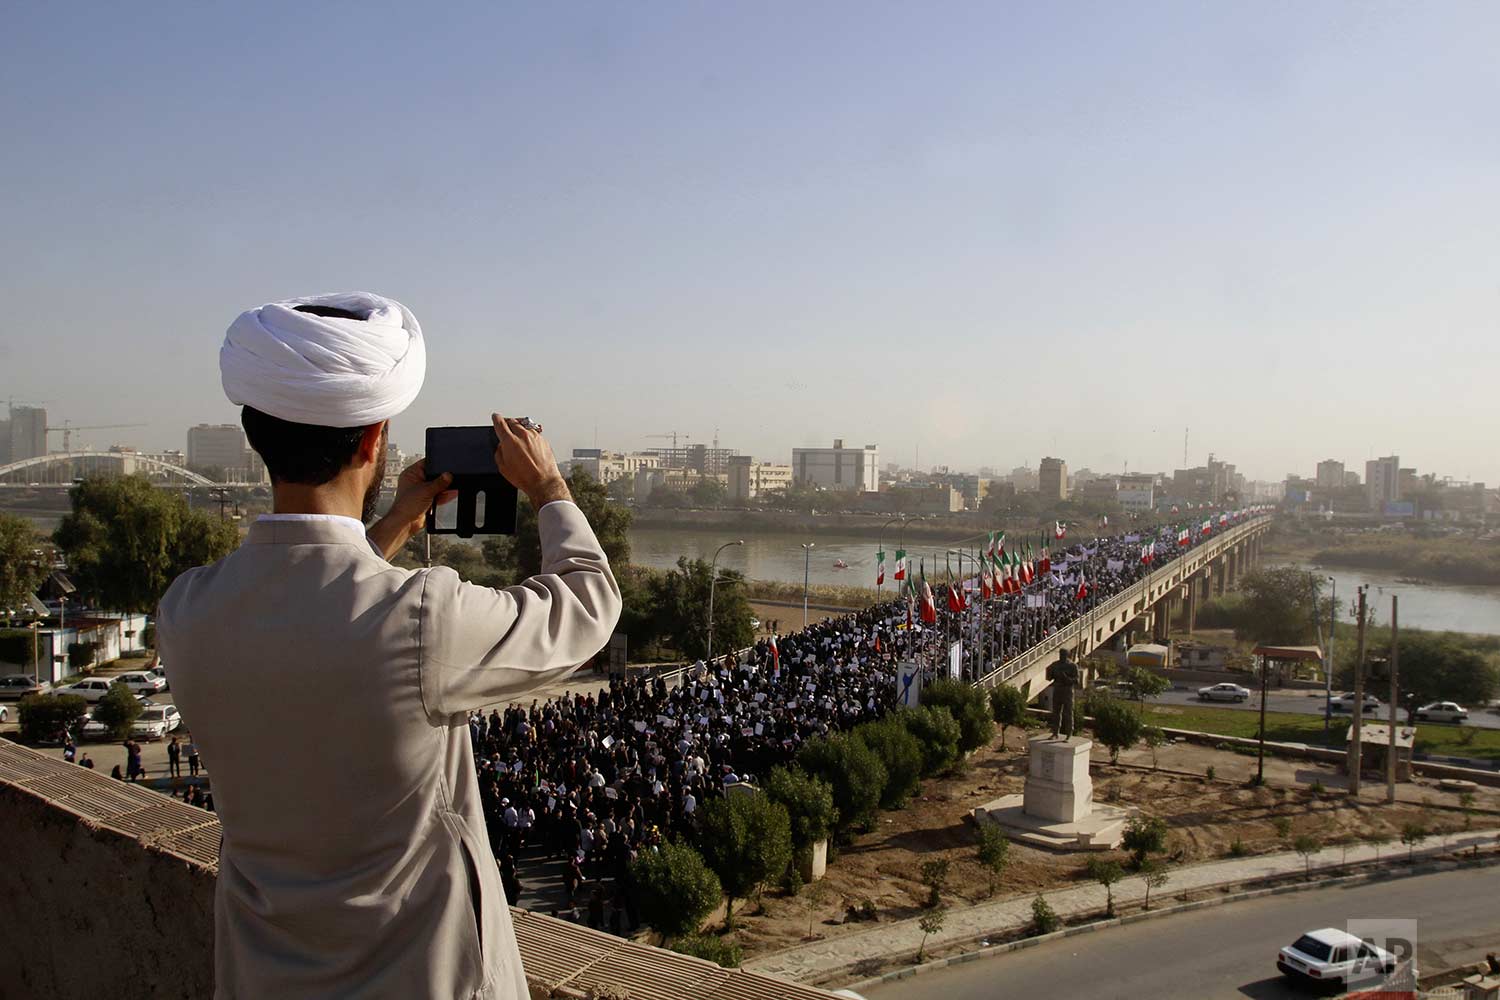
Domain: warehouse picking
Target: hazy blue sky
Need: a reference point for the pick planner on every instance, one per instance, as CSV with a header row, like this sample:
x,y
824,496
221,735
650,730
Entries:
x,y
993,231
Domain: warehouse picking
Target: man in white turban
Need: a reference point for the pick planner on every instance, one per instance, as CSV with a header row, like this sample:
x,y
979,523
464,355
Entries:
x,y
329,691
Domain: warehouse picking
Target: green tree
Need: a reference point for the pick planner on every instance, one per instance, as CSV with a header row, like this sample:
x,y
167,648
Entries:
x,y
852,770
930,923
1044,919
1307,845
937,732
1153,873
747,841
1106,873
1412,834
935,878
676,890
808,801
126,541
994,851
1008,707
43,716
680,603
901,755
707,492
1144,836
118,709
968,705
1281,605
23,566
1436,667
1117,725
1142,683
1154,738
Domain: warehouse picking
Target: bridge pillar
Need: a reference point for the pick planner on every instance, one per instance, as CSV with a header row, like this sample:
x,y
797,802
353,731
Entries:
x,y
1218,577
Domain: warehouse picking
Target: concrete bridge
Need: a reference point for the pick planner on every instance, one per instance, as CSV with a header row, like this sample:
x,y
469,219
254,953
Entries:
x,y
1207,569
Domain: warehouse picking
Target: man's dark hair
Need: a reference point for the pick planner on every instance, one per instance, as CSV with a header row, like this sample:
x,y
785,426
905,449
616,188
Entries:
x,y
302,453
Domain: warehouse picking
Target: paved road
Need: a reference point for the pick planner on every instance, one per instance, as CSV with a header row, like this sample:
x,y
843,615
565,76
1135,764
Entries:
x,y
1226,952
1304,703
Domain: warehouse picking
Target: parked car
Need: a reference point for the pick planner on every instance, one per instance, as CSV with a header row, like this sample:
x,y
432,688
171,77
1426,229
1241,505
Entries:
x,y
88,729
14,687
1345,702
1442,711
143,681
1334,956
90,689
156,722
1224,692
160,670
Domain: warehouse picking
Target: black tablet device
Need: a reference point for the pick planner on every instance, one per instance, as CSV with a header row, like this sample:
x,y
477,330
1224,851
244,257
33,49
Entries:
x,y
486,503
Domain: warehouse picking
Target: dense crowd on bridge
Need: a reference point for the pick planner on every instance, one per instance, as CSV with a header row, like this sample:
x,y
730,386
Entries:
x,y
594,778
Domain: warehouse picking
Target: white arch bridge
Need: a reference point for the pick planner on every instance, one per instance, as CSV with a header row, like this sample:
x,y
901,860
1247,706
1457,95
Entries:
x,y
25,472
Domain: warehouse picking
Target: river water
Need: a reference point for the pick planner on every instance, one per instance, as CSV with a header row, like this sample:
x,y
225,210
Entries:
x,y
780,557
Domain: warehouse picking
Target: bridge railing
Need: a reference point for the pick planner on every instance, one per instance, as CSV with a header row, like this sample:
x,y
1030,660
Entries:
x,y
1173,574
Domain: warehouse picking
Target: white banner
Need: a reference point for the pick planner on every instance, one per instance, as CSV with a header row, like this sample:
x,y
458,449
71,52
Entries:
x,y
908,685
956,660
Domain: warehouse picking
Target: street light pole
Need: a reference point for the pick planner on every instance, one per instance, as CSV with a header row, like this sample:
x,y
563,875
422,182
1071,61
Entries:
x,y
880,547
807,548
1333,621
712,583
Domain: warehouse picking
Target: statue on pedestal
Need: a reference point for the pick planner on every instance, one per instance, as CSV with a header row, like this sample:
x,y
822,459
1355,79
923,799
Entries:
x,y
1063,673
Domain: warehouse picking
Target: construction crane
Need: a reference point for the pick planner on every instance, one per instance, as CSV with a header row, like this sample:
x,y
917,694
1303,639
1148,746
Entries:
x,y
673,436
67,429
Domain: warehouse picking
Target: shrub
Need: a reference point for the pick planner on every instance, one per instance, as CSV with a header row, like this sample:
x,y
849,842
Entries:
x,y
81,654
930,923
747,841
1154,874
1008,708
1154,738
808,801
1237,848
854,772
1307,845
900,753
675,888
1209,772
42,716
1412,834
994,851
1283,826
117,710
1145,836
1044,919
1106,873
724,951
968,705
1117,725
937,732
935,878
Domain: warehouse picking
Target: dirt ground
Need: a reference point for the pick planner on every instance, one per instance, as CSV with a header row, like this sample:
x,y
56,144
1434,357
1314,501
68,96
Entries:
x,y
1205,818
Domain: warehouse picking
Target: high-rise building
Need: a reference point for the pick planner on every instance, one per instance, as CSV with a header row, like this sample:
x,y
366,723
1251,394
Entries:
x,y
24,435
1330,474
838,468
1383,481
1137,492
1052,479
216,446
697,458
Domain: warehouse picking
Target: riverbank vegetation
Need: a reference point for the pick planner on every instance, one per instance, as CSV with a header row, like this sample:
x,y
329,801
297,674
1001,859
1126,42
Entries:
x,y
1422,552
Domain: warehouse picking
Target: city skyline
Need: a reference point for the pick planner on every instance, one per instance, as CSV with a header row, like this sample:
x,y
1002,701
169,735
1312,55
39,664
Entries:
x,y
1070,235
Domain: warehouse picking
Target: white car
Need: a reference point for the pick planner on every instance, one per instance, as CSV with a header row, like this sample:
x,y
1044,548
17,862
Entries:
x,y
90,689
1345,702
1442,711
1224,692
143,682
90,730
156,722
1334,956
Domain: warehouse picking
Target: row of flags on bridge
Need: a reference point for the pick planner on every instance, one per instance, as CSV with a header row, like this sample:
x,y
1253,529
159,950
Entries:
x,y
1005,571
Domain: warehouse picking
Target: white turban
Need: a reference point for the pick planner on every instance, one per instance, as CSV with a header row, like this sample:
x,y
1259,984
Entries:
x,y
325,370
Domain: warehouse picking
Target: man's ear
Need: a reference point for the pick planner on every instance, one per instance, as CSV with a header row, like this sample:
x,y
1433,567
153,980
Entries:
x,y
369,442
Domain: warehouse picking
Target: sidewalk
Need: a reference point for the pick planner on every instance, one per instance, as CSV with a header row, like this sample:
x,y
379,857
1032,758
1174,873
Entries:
x,y
855,956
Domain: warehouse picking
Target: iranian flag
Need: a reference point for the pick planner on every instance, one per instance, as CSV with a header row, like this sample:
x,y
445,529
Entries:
x,y
775,655
1027,571
1059,530
1184,537
879,567
1147,552
1175,509
999,548
955,600
900,573
1013,567
1004,576
1083,588
984,582
1208,525
1223,519
929,606
1046,561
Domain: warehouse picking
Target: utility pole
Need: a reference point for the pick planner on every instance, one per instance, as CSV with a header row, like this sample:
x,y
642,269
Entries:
x,y
1333,619
807,548
1390,752
1353,756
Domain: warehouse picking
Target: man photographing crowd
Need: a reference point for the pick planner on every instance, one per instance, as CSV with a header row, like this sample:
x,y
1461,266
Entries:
x,y
370,875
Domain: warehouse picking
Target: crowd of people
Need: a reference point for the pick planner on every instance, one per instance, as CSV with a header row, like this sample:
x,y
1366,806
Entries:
x,y
594,778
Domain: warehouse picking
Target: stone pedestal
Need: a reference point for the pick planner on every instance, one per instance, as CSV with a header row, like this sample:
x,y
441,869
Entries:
x,y
1058,786
1057,810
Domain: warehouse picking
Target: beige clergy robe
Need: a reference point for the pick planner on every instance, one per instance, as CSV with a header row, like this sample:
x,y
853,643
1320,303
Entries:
x,y
328,691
